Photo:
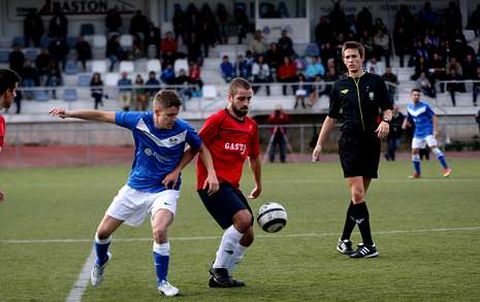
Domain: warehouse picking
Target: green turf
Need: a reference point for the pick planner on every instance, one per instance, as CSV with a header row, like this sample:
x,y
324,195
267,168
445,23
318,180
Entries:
x,y
427,231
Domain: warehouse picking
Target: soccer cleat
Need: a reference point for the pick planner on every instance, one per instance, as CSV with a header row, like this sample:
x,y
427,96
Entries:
x,y
96,275
414,176
167,289
345,247
446,172
365,251
221,278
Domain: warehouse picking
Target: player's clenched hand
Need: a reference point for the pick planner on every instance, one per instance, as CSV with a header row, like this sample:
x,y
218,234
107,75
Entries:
x,y
255,192
60,112
170,180
316,153
383,129
212,184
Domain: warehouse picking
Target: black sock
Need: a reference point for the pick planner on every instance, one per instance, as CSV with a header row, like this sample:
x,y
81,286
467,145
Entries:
x,y
360,212
349,223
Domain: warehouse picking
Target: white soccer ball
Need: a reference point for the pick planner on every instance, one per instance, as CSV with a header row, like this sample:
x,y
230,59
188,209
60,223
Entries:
x,y
272,217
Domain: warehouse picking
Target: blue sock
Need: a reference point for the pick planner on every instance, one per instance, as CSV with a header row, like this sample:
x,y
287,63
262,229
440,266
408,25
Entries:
x,y
416,163
101,250
161,258
442,161
161,266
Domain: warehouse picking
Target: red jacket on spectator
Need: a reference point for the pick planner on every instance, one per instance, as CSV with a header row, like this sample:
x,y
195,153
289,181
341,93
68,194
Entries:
x,y
168,45
286,71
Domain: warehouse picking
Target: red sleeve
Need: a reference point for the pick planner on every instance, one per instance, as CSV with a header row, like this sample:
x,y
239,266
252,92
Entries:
x,y
2,131
254,142
209,130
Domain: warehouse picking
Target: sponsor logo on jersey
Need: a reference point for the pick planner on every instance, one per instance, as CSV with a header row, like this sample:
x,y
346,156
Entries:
x,y
236,147
344,91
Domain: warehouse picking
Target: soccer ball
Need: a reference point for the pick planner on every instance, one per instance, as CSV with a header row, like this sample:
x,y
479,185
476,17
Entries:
x,y
272,217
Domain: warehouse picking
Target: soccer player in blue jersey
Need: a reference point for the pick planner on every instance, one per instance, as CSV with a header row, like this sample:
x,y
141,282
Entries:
x,y
426,130
154,181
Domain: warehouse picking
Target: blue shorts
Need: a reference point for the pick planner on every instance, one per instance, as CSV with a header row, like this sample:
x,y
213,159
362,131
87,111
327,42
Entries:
x,y
224,204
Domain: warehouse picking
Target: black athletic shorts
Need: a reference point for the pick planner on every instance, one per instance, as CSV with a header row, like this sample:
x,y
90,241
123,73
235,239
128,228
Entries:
x,y
224,204
359,154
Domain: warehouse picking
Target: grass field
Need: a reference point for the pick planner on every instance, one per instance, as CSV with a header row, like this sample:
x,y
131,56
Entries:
x,y
427,232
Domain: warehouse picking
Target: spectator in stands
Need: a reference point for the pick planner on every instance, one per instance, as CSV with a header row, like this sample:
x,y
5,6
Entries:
x,y
58,48
427,16
41,63
374,67
421,66
16,59
168,75
424,84
273,58
323,32
54,77
278,119
285,44
168,49
228,69
395,133
317,89
152,41
327,51
241,22
261,74
32,29
391,80
125,88
469,67
243,68
477,119
58,26
474,21
287,72
29,80
364,20
208,33
139,25
381,44
314,68
222,16
401,41
178,22
195,78
436,70
338,18
257,45
452,88
141,99
330,78
114,51
476,87
113,21
194,48
418,51
300,92
367,41
183,89
84,52
152,81
191,21
96,90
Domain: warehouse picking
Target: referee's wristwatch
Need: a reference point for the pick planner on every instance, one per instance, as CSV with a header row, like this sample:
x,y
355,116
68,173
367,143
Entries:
x,y
386,120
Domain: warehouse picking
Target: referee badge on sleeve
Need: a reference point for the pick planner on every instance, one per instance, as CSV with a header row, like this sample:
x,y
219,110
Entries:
x,y
371,95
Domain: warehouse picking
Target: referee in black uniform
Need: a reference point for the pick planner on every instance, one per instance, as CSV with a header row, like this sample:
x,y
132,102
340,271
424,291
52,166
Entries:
x,y
362,100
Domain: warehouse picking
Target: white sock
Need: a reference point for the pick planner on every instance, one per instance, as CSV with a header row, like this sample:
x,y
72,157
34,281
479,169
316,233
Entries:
x,y
238,253
226,250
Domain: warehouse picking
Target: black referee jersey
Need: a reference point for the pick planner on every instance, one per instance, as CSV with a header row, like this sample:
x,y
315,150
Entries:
x,y
360,100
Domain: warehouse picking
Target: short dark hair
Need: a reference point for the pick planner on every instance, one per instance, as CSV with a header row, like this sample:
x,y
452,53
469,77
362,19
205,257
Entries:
x,y
238,83
416,90
167,99
353,45
8,79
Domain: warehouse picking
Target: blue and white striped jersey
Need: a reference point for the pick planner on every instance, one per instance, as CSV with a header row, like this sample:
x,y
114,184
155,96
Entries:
x,y
157,151
421,114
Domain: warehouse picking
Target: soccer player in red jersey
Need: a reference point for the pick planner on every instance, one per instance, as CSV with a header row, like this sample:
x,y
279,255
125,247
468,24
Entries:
x,y
232,137
8,90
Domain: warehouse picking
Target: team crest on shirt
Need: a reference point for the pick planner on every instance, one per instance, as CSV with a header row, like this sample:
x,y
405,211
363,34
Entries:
x,y
173,140
344,91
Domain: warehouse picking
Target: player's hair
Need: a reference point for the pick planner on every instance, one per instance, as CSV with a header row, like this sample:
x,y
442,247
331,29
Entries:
x,y
353,45
416,90
8,78
167,99
238,83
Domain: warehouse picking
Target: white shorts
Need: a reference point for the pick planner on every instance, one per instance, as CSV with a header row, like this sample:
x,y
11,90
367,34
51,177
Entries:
x,y
421,142
131,206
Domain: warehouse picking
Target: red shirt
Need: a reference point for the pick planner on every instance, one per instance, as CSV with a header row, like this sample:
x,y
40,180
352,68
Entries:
x,y
2,131
230,142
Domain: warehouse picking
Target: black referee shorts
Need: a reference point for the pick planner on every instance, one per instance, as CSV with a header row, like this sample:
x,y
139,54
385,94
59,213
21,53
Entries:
x,y
359,154
224,204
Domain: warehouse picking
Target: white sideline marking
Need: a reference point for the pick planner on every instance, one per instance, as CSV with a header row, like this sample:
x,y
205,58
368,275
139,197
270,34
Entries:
x,y
30,241
81,284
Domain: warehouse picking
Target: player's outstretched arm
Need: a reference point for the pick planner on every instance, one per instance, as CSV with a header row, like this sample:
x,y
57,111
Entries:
x,y
211,183
256,168
327,127
88,115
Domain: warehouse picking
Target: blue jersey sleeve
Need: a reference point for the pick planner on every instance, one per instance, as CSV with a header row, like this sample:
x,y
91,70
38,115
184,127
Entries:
x,y
430,111
128,120
192,138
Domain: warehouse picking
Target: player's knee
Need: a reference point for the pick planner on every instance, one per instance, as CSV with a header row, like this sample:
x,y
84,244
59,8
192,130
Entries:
x,y
358,195
159,234
437,151
102,234
416,158
242,221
